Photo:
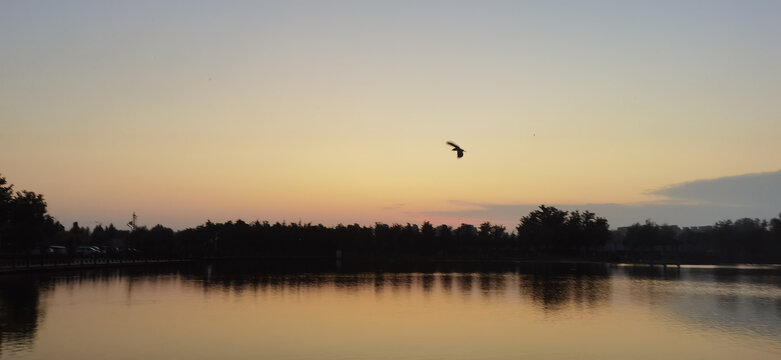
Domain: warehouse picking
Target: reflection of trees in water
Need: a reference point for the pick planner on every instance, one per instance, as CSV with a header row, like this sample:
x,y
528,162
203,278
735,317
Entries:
x,y
651,284
556,290
446,280
746,313
400,282
747,299
427,282
379,282
656,272
492,284
549,292
742,299
729,301
754,275
20,311
21,308
554,286
465,283
550,286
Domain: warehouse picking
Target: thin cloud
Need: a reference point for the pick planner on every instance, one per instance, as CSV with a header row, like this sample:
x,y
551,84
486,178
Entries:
x,y
742,190
395,206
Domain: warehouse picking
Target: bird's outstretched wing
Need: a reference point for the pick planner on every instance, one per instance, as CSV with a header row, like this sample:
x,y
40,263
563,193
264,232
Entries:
x,y
459,151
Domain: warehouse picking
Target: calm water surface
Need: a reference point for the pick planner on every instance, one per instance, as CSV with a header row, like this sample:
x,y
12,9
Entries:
x,y
536,311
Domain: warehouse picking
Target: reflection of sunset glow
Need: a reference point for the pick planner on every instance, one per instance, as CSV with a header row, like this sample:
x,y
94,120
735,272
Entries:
x,y
396,315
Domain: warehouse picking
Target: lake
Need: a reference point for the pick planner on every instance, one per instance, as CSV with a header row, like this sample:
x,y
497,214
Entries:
x,y
498,311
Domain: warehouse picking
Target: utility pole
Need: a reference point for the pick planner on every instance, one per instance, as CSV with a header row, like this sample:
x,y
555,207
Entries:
x,y
132,223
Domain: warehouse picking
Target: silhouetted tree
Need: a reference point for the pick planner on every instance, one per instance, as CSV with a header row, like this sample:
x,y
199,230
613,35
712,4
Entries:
x,y
754,239
466,239
543,230
24,224
444,236
553,231
775,225
499,238
775,230
592,231
77,235
650,240
98,235
159,242
6,193
723,238
428,239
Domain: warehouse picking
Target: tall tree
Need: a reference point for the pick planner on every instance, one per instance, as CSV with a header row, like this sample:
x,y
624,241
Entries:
x,y
543,229
27,221
6,193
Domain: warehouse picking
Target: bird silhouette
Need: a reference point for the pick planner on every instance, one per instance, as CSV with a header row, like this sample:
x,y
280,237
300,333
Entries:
x,y
457,149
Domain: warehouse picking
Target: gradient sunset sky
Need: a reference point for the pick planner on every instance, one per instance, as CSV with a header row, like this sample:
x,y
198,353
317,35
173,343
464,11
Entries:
x,y
338,111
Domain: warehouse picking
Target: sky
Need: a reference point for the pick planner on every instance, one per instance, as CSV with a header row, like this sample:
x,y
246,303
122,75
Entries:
x,y
338,111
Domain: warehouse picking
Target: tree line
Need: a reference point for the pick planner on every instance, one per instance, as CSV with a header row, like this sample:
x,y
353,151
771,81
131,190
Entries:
x,y
545,233
740,241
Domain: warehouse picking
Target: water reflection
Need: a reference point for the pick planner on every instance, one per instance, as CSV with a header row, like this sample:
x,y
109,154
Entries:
x,y
465,284
745,299
652,272
549,286
554,286
729,300
446,280
20,311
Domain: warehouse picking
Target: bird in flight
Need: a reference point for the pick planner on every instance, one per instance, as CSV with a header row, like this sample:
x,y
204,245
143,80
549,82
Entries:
x,y
457,149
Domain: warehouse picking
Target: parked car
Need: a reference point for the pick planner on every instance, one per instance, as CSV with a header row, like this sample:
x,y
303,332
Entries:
x,y
131,252
109,250
56,250
88,251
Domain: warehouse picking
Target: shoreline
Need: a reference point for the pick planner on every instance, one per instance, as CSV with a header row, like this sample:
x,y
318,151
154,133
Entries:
x,y
37,268
379,263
